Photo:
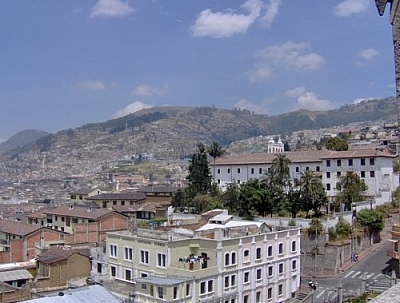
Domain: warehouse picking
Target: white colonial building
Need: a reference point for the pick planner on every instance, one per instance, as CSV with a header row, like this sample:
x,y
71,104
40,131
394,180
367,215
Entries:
x,y
374,166
222,260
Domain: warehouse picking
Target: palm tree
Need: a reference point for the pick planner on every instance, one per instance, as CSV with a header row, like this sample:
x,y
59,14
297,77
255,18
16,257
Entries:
x,y
215,151
280,165
312,191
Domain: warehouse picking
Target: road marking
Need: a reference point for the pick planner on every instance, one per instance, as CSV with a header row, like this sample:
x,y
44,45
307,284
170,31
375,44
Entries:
x,y
320,294
377,276
356,274
370,275
349,274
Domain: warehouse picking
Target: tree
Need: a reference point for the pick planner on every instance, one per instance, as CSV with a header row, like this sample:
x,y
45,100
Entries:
x,y
215,151
273,185
336,143
199,177
352,189
230,198
179,199
312,192
374,220
250,197
280,166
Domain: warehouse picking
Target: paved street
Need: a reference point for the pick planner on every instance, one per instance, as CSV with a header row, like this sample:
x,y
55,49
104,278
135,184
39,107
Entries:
x,y
374,267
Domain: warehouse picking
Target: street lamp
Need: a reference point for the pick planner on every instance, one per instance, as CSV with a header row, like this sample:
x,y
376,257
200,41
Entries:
x,y
354,221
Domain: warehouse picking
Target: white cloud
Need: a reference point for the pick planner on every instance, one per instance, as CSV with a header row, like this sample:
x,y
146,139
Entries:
x,y
308,100
148,90
359,100
271,13
226,24
368,54
130,109
347,8
246,104
290,55
111,8
95,85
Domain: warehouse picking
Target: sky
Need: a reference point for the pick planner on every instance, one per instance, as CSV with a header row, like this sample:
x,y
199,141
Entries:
x,y
66,63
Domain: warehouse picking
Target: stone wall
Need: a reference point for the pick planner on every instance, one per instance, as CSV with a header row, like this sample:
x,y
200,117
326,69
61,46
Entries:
x,y
331,257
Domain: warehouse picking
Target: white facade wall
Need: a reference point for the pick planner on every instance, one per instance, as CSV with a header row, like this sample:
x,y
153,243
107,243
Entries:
x,y
376,171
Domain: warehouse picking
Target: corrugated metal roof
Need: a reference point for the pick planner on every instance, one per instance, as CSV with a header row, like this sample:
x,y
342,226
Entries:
x,y
92,294
14,275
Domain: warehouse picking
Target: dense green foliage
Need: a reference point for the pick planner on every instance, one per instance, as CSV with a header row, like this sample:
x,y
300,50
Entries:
x,y
340,231
351,189
336,143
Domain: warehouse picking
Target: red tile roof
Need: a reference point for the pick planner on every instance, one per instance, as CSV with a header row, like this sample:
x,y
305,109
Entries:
x,y
79,212
17,228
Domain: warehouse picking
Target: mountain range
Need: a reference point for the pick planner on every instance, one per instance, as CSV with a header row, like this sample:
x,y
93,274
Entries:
x,y
173,131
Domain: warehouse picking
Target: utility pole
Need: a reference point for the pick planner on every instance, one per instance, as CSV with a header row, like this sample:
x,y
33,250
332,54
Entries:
x,y
315,251
340,291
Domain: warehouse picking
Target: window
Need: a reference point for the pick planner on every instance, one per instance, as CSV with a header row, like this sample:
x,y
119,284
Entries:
x,y
128,253
307,168
219,181
372,174
114,202
202,287
371,161
258,297
280,290
210,286
238,181
269,293
233,258
246,277
144,257
350,162
113,251
362,161
258,253
113,271
75,220
160,291
218,171
260,170
317,168
187,290
128,275
161,259
238,170
122,202
55,218
280,268
62,219
227,258
269,251
270,271
328,174
338,174
226,281
252,171
229,170
294,264
362,174
338,162
175,292
246,299
246,253
328,186
280,248
328,163
233,280
294,246
144,286
297,169
258,274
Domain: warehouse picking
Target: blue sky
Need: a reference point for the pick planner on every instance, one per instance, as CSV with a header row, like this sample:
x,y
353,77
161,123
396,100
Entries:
x,y
70,62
